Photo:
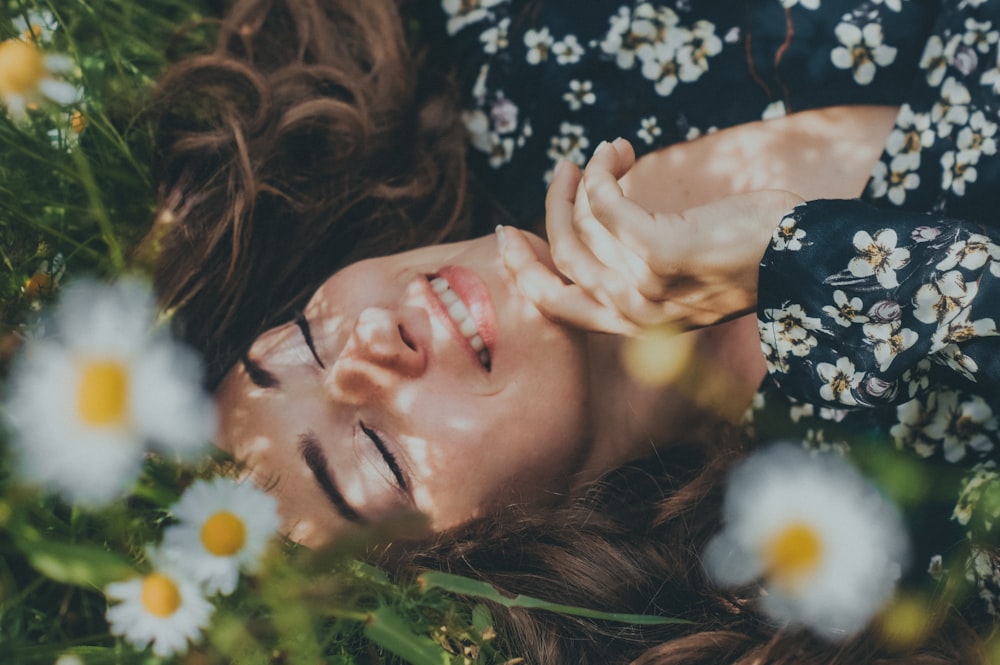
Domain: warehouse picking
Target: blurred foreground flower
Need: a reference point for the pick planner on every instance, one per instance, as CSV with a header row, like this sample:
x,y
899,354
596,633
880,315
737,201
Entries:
x,y
224,526
88,396
27,75
827,547
162,608
36,26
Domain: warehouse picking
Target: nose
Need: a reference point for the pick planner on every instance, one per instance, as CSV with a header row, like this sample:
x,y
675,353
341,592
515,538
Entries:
x,y
377,356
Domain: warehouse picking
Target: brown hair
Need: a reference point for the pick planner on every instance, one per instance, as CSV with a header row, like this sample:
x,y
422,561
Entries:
x,y
633,544
308,139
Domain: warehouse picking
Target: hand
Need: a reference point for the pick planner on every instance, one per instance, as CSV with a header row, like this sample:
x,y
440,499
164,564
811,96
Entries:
x,y
630,268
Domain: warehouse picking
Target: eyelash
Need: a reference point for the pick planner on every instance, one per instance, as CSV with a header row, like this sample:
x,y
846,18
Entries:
x,y
390,459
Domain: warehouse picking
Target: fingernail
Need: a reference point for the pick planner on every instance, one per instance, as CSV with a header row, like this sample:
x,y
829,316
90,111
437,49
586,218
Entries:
x,y
501,238
600,146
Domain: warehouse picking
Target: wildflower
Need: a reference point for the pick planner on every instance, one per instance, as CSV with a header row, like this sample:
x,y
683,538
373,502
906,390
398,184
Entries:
x,y
27,75
223,527
35,26
827,548
162,608
87,396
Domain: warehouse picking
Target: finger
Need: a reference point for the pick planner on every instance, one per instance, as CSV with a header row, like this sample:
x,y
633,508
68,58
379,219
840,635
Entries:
x,y
602,172
564,303
571,256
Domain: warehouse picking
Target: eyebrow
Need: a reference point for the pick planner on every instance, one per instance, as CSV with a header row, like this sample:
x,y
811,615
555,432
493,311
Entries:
x,y
258,375
303,323
315,459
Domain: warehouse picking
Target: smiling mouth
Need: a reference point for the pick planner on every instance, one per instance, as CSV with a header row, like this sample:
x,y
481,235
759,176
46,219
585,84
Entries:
x,y
460,315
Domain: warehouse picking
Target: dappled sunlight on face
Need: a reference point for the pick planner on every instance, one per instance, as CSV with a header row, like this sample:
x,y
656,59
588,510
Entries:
x,y
381,400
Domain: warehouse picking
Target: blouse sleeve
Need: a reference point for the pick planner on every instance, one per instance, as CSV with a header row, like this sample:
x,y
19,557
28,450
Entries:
x,y
854,301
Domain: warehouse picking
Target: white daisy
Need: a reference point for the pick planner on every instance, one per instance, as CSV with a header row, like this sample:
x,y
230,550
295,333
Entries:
x,y
28,76
827,547
36,26
86,397
223,527
162,608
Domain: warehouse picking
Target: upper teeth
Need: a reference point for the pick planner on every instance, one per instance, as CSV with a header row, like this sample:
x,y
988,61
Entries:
x,y
459,313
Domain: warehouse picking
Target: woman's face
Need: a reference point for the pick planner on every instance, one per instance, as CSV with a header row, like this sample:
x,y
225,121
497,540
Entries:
x,y
421,381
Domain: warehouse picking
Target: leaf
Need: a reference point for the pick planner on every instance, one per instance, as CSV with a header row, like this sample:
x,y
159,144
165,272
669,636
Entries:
x,y
468,587
481,618
392,633
69,563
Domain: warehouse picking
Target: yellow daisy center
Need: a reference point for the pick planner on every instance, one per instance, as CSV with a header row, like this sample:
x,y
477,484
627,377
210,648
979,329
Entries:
x,y
33,32
223,534
160,595
102,397
78,122
792,553
21,67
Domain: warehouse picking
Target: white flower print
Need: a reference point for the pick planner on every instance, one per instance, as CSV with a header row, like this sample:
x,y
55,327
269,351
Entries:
x,y
888,340
862,51
894,180
840,380
971,253
958,170
786,330
878,256
942,300
659,64
952,108
581,93
797,411
666,52
567,50
946,339
962,425
629,34
979,35
975,488
916,377
808,4
649,129
913,418
912,134
569,144
894,5
845,311
539,43
992,77
494,39
774,110
462,13
702,43
787,236
977,138
501,151
479,89
934,60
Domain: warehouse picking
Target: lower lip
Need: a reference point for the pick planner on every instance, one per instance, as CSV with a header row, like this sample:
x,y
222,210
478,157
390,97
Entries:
x,y
473,292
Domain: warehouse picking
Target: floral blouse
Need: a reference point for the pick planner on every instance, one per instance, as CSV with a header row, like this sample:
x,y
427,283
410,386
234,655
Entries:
x,y
877,316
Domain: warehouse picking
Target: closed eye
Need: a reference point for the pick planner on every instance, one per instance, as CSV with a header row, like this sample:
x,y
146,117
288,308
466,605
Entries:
x,y
390,459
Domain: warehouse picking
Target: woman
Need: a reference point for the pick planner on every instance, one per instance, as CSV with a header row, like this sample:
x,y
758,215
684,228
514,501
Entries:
x,y
246,192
